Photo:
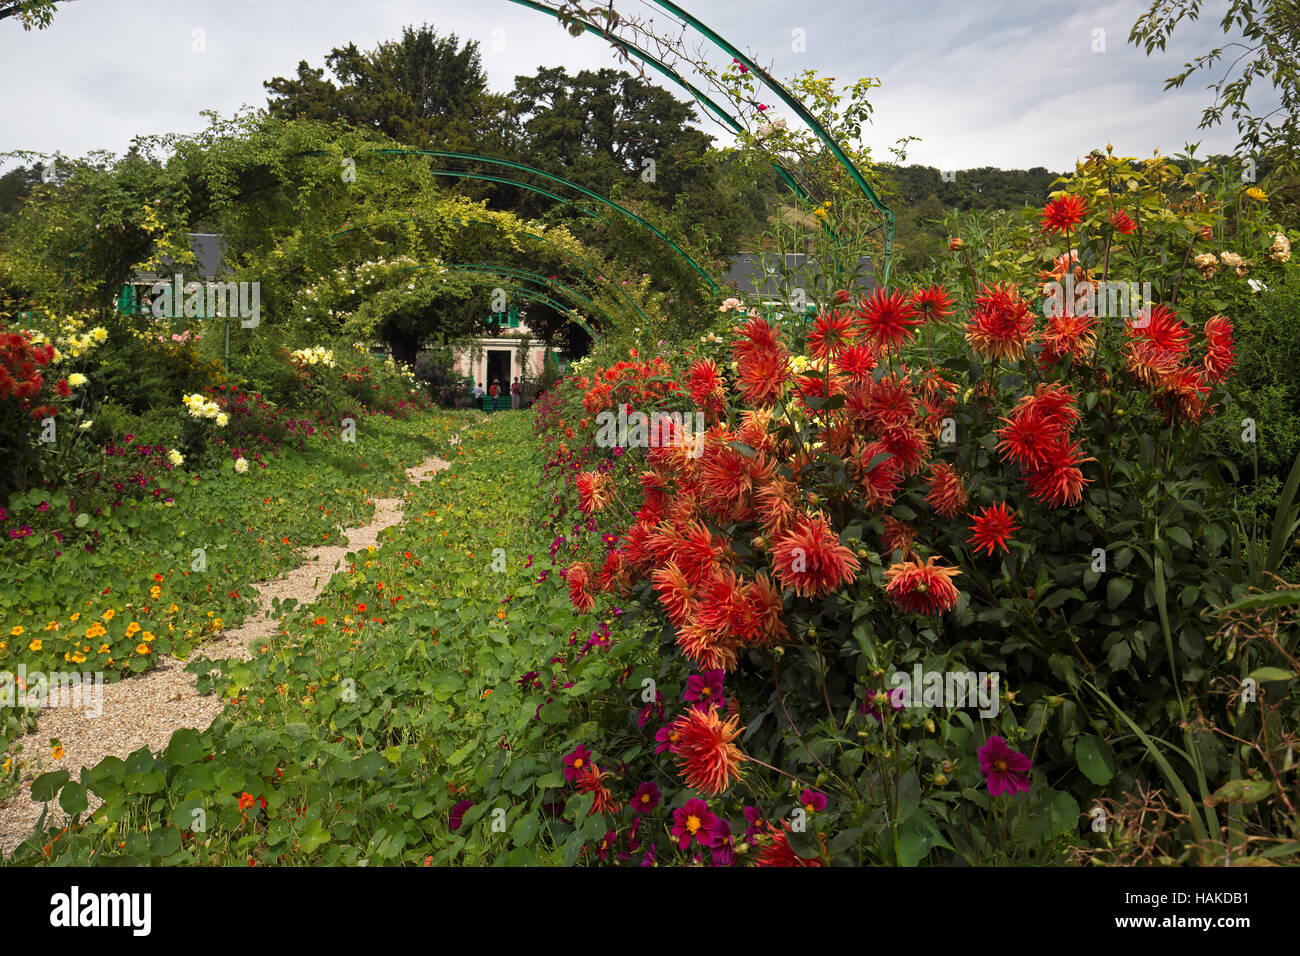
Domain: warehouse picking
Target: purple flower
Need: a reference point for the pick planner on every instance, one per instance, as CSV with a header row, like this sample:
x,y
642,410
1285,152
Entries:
x,y
646,797
757,823
724,845
664,739
876,701
705,689
1005,770
458,814
694,822
812,801
576,762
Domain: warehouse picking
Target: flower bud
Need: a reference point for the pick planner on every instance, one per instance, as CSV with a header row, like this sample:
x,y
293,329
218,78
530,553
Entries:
x,y
929,724
945,766
955,244
940,780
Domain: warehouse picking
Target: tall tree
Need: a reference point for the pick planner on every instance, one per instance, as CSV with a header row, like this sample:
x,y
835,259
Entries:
x,y
423,90
1264,46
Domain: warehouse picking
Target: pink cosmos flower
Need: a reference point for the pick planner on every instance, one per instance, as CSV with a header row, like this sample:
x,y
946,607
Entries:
x,y
576,762
705,690
1005,770
646,797
458,812
695,822
812,801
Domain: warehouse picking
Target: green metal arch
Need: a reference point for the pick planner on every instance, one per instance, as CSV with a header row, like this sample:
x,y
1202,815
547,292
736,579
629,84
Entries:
x,y
768,80
473,158
525,274
582,265
699,95
489,269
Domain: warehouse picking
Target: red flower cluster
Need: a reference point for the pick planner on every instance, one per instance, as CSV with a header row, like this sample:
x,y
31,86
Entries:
x,y
1157,355
1037,438
20,372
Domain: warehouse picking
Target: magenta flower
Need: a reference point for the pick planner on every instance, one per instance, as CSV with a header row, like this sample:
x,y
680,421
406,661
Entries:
x,y
876,701
576,762
1005,770
646,797
458,814
724,845
705,689
812,801
757,823
694,822
664,739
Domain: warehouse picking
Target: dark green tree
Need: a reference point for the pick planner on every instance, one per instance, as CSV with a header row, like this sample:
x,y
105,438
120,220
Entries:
x,y
423,90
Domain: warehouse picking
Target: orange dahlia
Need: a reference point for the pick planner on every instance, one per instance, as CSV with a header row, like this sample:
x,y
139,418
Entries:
x,y
1219,355
1070,334
922,588
898,535
675,592
777,851
810,558
946,494
595,491
709,649
1064,213
709,761
831,333
1001,324
579,578
889,318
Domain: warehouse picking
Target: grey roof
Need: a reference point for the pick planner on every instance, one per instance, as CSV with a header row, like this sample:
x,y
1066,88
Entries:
x,y
208,248
757,275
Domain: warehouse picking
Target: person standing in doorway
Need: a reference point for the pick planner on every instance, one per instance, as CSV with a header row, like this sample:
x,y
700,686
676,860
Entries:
x,y
478,396
493,391
516,392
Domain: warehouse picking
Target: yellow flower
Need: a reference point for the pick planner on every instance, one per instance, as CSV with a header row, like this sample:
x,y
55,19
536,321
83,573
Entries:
x,y
7,764
109,614
142,648
35,645
173,609
103,649
52,626
57,752
155,591
95,630
4,646
1254,192
147,636
132,629
78,658
15,630
75,617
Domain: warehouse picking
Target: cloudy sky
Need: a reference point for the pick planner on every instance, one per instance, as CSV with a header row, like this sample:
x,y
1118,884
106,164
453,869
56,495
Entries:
x,y
1011,83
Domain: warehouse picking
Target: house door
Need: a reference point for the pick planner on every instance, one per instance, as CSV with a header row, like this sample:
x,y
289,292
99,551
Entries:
x,y
498,369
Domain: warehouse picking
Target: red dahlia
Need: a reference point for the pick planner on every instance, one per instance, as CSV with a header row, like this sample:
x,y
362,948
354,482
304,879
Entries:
x,y
993,528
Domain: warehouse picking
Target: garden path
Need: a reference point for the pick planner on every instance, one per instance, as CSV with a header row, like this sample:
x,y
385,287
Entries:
x,y
145,710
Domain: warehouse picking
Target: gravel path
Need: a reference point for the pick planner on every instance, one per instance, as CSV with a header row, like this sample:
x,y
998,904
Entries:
x,y
145,710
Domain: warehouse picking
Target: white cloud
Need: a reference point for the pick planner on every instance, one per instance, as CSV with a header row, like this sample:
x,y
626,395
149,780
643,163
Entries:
x,y
1004,83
